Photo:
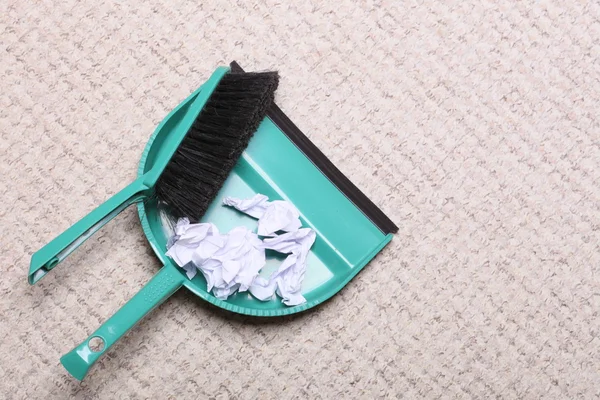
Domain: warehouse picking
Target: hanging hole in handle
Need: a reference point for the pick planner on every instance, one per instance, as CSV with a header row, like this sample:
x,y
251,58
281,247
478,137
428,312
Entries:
x,y
96,344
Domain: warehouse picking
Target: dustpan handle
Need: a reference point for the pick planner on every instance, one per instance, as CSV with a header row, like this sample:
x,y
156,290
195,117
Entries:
x,y
79,360
59,248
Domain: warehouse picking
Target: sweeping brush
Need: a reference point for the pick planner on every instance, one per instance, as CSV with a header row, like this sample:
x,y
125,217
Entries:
x,y
215,142
201,141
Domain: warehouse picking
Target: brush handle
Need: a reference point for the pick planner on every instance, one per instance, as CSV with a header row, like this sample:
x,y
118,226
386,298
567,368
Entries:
x,y
58,249
166,282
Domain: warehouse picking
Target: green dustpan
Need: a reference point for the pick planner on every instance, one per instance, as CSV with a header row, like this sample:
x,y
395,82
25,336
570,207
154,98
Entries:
x,y
281,163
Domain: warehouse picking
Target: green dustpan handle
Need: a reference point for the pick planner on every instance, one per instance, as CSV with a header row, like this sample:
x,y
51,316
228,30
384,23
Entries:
x,y
79,360
58,249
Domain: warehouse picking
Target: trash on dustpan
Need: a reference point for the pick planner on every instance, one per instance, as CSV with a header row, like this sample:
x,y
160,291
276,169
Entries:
x,y
231,262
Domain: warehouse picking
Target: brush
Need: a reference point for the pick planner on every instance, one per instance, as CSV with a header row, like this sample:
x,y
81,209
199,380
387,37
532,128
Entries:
x,y
200,143
215,142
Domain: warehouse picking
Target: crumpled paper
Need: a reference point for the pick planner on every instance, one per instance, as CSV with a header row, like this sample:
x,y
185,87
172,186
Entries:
x,y
287,280
231,262
273,216
228,262
189,238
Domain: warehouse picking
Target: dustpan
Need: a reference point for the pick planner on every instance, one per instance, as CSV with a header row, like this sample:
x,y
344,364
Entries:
x,y
281,163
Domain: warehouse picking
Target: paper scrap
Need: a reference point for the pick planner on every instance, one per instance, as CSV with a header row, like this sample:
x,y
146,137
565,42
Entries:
x,y
273,216
231,262
228,262
187,240
287,280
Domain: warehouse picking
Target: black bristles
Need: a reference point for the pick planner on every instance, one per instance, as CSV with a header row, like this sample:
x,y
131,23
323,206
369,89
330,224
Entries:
x,y
216,140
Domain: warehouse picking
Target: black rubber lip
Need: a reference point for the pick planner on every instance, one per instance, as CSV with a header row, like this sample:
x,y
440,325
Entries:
x,y
360,200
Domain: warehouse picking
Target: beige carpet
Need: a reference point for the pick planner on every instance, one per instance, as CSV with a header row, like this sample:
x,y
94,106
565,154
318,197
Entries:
x,y
473,125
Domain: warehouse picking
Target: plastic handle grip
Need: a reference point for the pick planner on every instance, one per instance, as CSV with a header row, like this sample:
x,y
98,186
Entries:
x,y
60,247
166,282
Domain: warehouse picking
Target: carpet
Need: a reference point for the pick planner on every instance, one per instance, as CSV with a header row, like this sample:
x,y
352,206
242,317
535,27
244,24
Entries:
x,y
472,124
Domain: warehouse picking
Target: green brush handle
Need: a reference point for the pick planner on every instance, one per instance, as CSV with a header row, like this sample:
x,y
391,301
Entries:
x,y
166,140
79,360
58,249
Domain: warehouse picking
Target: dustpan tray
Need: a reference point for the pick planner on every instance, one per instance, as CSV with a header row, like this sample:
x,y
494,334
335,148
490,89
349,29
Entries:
x,y
346,240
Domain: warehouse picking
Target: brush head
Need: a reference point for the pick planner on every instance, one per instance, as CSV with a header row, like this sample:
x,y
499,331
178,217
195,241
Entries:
x,y
215,142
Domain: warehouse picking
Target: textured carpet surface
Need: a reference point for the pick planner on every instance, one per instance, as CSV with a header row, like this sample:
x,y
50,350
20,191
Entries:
x,y
472,124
